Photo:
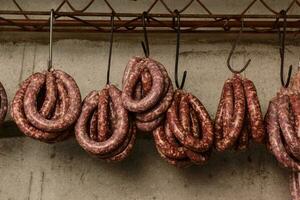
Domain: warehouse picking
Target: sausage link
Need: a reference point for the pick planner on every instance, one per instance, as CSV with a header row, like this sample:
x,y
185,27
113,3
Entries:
x,y
149,126
287,128
243,140
236,124
93,133
146,81
153,95
195,127
68,118
103,114
159,108
218,122
133,61
197,158
62,102
187,139
254,110
50,96
295,107
178,163
277,146
17,112
184,110
118,134
166,148
3,103
228,108
127,150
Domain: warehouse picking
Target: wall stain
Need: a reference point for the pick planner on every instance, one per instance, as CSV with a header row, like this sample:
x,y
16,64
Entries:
x,y
42,185
30,186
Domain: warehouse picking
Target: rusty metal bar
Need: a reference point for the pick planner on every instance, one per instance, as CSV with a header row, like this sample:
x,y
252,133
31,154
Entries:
x,y
106,23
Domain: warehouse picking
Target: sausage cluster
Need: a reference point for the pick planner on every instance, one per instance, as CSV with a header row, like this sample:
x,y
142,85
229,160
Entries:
x,y
3,103
147,92
283,130
186,137
239,117
47,105
104,128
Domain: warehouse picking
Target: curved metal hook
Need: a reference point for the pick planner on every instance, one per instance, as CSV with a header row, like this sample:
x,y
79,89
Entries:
x,y
232,52
50,39
145,43
282,52
177,53
110,46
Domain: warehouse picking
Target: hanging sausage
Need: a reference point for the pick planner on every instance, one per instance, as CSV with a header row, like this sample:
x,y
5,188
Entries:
x,y
147,91
186,136
239,117
147,88
3,103
47,104
283,121
104,128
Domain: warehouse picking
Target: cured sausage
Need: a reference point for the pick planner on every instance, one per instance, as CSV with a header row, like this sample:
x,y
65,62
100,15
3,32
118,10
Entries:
x,y
52,125
232,130
3,103
153,95
187,139
159,109
254,110
182,151
17,112
238,118
115,133
60,100
287,126
149,126
50,96
274,136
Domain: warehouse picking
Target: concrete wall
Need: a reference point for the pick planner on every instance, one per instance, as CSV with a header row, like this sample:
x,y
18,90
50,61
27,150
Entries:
x,y
34,171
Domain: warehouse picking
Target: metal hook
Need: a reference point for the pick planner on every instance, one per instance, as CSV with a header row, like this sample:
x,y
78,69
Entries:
x,y
145,43
177,53
232,52
282,52
110,47
50,39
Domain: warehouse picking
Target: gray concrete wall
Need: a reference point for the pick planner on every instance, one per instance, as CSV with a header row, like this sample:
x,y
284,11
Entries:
x,y
31,170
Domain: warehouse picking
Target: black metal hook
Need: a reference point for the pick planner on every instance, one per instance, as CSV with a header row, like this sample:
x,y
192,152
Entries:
x,y
110,46
177,53
145,43
52,17
232,52
282,52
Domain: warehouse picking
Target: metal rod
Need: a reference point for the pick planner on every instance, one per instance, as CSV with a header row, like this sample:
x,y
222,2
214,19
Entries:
x,y
165,23
50,39
162,15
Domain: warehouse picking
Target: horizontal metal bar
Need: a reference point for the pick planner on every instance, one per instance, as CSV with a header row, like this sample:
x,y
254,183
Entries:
x,y
159,15
72,30
186,23
189,22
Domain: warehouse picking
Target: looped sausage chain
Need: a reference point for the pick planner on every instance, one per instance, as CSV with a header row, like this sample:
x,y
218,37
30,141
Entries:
x,y
47,106
238,116
186,136
147,91
3,103
103,128
283,130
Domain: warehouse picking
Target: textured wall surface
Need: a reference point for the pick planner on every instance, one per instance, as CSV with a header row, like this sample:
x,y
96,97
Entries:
x,y
31,170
